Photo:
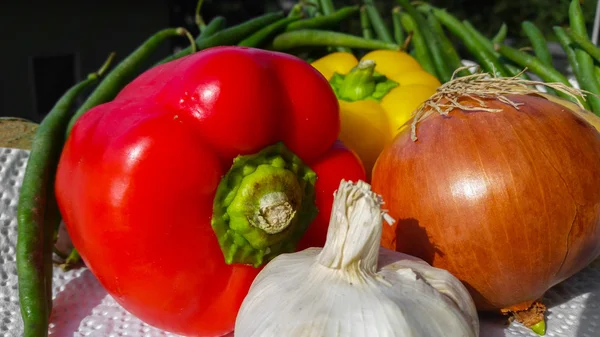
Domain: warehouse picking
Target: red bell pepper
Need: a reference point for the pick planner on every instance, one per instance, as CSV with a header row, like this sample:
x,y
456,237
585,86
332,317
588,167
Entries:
x,y
199,172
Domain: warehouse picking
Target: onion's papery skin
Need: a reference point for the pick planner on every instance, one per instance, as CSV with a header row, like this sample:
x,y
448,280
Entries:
x,y
508,202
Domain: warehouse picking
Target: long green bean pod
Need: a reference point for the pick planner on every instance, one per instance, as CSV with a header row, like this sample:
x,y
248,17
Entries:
x,y
215,25
324,21
379,26
453,59
328,9
585,44
481,39
421,52
566,42
546,73
538,42
588,80
313,37
229,36
488,61
443,71
37,212
500,35
365,24
399,35
260,36
489,47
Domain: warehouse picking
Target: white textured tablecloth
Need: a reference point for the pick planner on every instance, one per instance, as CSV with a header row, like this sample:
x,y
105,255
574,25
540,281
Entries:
x,y
83,308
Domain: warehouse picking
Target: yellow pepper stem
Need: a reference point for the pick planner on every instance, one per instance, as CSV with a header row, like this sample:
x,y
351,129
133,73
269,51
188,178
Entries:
x,y
359,83
362,82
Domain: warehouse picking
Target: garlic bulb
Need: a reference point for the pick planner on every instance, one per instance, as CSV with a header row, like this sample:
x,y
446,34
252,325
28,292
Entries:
x,y
352,287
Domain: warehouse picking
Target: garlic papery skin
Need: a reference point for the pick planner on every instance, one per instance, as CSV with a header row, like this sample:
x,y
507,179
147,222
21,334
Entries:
x,y
353,288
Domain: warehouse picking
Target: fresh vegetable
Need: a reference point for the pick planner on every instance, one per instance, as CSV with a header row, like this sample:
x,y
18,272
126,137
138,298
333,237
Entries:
x,y
38,215
199,172
565,42
124,72
538,42
422,54
376,97
487,44
324,21
585,44
398,31
487,60
315,37
215,25
229,36
546,73
328,9
452,58
365,24
514,208
587,80
377,22
500,35
354,288
442,69
262,35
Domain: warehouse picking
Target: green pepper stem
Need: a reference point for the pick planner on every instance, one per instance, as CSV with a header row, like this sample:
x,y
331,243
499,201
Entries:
x,y
263,205
359,83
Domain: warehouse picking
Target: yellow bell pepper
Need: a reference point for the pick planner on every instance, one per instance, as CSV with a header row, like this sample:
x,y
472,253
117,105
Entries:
x,y
377,96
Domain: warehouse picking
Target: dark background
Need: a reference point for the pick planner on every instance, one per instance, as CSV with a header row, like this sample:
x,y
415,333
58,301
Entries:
x,y
49,46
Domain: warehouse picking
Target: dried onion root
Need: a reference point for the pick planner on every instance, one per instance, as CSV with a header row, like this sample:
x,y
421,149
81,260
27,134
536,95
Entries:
x,y
478,87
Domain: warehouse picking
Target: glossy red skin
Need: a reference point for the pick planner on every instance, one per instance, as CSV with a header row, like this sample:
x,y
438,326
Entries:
x,y
138,175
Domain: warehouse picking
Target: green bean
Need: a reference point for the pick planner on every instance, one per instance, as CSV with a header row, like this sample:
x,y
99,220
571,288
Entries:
x,y
35,229
546,73
421,53
365,24
229,36
538,42
110,86
565,42
576,19
328,9
215,25
325,21
511,70
312,8
379,26
399,35
260,36
313,37
588,80
501,35
443,71
585,44
452,58
488,61
481,39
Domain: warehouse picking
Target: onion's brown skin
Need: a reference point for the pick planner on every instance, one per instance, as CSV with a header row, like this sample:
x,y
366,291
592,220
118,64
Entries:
x,y
509,202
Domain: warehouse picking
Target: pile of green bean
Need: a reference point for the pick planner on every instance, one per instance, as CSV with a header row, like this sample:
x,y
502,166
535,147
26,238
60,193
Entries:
x,y
439,57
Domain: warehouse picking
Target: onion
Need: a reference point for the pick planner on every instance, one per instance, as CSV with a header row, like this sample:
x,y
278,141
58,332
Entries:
x,y
502,189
